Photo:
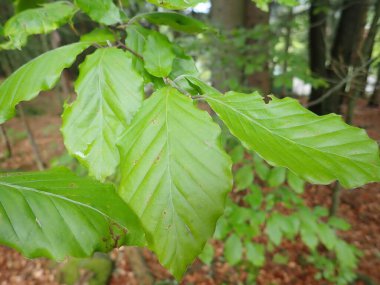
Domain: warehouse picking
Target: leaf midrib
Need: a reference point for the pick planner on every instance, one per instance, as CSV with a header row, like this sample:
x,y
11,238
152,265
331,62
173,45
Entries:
x,y
285,138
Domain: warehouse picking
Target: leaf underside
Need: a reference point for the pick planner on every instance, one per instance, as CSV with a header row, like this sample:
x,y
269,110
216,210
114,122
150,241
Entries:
x,y
57,214
110,93
39,74
175,176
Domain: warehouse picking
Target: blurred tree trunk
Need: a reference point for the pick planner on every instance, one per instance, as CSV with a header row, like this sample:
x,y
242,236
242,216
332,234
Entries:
x,y
226,15
253,17
229,15
346,48
317,47
375,97
345,51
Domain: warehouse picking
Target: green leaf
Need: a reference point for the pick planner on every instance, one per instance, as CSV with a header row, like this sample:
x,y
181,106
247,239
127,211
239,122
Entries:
x,y
318,149
273,229
255,254
36,21
158,55
233,250
244,177
102,11
255,199
110,93
327,236
21,5
276,176
339,223
262,169
176,4
207,254
40,74
57,214
175,175
176,21
237,154
99,35
296,183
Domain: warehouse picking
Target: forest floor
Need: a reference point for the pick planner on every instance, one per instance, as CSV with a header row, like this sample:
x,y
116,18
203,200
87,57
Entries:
x,y
361,207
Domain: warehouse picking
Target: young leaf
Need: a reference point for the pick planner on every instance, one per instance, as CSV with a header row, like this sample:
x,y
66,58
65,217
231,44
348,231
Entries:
x,y
296,183
244,177
176,4
102,11
175,175
277,176
59,214
176,21
41,20
39,74
273,229
255,199
99,35
207,254
110,93
318,149
158,55
255,254
233,250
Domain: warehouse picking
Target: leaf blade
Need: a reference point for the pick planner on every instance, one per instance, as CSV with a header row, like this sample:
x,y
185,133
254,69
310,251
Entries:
x,y
177,203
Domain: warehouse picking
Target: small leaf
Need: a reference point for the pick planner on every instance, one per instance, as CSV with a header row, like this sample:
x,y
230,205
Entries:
x,y
327,236
262,169
339,224
59,214
237,154
175,175
41,20
158,55
110,93
273,229
102,11
244,177
176,21
176,4
276,176
309,238
233,250
255,198
280,259
296,183
39,74
207,254
99,35
222,228
255,254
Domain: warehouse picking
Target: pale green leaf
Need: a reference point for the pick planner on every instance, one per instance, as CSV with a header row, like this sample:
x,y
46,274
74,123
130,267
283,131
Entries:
x,y
158,55
339,223
100,36
243,177
175,175
110,93
176,21
273,229
57,214
296,183
318,149
41,20
276,177
176,4
102,11
255,254
207,254
327,236
40,74
233,250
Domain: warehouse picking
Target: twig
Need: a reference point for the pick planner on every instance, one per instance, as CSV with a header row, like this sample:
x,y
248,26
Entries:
x,y
36,150
6,140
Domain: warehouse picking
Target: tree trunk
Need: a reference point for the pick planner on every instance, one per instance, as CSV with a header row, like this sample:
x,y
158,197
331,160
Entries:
x,y
317,47
226,16
253,17
346,48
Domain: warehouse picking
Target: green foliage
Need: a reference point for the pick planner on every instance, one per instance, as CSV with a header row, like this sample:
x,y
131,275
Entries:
x,y
102,11
90,215
174,174
40,74
36,21
176,146
109,101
